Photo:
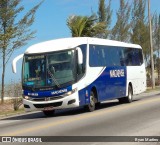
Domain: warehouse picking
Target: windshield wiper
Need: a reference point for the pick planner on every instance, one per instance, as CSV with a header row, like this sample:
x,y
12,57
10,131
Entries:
x,y
54,79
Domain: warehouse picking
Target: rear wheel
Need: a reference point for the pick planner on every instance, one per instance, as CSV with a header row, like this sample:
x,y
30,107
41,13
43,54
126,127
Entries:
x,y
91,106
49,113
129,97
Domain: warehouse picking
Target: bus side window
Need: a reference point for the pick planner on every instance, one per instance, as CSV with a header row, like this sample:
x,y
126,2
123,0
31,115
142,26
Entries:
x,y
104,58
141,56
128,56
115,56
93,56
138,57
122,57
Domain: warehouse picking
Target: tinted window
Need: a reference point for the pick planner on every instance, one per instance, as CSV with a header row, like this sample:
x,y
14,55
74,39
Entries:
x,y
133,56
138,56
114,59
104,56
114,56
94,56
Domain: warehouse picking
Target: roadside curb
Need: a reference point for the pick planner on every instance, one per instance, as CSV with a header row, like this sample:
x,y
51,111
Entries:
x,y
11,114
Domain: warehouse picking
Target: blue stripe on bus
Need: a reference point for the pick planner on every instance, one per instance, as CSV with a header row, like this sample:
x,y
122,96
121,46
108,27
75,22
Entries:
x,y
107,87
40,94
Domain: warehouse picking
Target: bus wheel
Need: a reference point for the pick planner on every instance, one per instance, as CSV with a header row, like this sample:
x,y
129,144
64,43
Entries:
x,y
91,106
49,113
129,98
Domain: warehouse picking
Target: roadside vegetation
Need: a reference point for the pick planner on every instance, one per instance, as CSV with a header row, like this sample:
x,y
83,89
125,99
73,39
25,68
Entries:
x,y
12,103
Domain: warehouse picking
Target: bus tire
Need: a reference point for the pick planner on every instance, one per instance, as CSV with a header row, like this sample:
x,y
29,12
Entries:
x,y
49,113
129,97
92,105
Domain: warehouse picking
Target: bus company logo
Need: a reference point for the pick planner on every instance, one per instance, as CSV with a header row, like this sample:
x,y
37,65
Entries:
x,y
47,98
59,92
117,73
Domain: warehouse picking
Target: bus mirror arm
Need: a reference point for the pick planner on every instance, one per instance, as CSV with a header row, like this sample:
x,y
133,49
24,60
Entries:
x,y
80,55
15,61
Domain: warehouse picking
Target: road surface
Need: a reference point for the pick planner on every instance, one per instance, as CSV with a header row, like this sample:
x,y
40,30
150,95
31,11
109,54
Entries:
x,y
140,118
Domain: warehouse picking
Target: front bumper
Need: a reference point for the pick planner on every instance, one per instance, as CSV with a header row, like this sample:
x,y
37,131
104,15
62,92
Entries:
x,y
70,101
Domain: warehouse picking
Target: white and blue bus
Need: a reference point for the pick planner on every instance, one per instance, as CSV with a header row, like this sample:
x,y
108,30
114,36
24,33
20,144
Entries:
x,y
73,72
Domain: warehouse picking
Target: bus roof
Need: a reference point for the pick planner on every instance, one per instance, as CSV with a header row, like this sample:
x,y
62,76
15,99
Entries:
x,y
68,43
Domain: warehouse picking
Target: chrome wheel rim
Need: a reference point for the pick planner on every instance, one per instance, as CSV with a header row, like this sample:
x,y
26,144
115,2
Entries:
x,y
130,95
92,101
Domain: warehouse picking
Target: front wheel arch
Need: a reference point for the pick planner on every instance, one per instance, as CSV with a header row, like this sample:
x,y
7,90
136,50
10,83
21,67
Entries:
x,y
94,90
93,100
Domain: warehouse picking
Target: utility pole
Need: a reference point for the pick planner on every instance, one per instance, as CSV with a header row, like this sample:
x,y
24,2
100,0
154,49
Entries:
x,y
151,47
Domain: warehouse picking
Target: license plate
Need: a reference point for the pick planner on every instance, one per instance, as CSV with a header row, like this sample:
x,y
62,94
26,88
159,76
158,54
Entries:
x,y
48,108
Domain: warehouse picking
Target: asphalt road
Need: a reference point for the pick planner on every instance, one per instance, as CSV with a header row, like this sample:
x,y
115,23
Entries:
x,y
140,118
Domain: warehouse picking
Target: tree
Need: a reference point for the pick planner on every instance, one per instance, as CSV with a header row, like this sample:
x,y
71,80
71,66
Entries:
x,y
77,25
102,11
156,36
14,32
84,26
139,27
120,31
156,33
104,16
92,26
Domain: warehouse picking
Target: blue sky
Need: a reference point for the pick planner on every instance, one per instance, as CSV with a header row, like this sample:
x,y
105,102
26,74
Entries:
x,y
50,22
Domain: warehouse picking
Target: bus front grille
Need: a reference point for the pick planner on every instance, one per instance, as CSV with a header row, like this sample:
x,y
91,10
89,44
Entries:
x,y
50,98
57,104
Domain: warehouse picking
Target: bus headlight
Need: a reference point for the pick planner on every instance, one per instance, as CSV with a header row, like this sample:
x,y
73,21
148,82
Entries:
x,y
26,97
71,92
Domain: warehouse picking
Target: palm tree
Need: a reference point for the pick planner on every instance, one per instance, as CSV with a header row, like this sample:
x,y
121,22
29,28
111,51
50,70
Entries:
x,y
77,24
85,26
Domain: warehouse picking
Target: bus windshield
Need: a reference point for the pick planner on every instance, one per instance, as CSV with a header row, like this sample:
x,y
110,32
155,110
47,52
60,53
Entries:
x,y
52,69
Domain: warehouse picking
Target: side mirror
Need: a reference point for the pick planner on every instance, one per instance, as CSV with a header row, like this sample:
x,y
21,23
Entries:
x,y
80,55
15,61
